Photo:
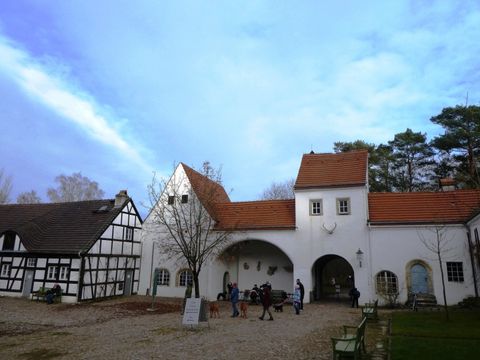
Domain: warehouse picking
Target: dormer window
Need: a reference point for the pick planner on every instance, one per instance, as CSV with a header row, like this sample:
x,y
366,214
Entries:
x,y
316,207
184,199
343,206
9,240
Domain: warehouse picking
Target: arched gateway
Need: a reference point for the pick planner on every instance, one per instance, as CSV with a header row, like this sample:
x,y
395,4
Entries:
x,y
251,262
332,278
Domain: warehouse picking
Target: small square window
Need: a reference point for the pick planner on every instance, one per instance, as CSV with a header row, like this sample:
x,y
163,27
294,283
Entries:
x,y
52,273
64,270
171,200
343,206
6,269
184,199
31,262
316,207
455,271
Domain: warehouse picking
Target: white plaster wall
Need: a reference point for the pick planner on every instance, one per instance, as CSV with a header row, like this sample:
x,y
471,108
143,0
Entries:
x,y
394,247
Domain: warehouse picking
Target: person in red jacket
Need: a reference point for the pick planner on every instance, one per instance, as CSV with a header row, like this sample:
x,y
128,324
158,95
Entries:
x,y
266,300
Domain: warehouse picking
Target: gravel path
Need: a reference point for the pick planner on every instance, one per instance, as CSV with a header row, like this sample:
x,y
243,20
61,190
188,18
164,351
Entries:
x,y
123,329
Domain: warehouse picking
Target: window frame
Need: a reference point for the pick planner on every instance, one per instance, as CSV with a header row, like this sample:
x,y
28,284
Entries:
x,y
455,271
52,275
184,199
170,200
388,280
31,262
314,209
6,270
339,206
184,279
129,233
163,278
64,273
11,236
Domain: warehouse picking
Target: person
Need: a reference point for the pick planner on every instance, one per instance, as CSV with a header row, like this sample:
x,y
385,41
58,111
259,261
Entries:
x,y
354,294
188,294
297,299
337,292
55,291
266,300
302,293
234,299
254,294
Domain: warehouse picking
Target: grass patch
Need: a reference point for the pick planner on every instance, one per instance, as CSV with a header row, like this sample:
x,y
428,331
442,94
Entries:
x,y
428,335
41,354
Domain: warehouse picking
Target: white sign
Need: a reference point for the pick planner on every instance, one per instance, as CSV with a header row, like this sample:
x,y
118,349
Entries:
x,y
192,311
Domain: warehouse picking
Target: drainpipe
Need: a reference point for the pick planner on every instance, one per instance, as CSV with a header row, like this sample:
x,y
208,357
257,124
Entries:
x,y
472,261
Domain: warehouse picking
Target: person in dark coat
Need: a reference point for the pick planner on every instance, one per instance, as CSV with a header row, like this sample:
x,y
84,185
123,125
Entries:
x,y
354,295
302,293
266,300
234,295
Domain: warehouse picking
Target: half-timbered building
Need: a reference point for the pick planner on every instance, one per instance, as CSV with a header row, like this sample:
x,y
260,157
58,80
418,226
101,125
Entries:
x,y
90,248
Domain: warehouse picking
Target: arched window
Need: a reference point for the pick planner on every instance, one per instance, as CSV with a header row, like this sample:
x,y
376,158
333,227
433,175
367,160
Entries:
x,y
163,277
184,277
387,283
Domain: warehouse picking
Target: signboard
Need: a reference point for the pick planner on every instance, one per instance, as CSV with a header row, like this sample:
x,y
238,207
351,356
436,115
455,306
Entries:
x,y
192,311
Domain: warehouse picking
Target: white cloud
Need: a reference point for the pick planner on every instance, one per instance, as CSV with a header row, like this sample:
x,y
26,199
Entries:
x,y
41,83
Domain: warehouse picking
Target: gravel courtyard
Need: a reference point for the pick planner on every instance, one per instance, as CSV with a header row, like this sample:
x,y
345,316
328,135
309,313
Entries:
x,y
124,329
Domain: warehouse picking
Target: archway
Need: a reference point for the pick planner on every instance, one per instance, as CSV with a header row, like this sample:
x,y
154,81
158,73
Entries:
x,y
333,277
251,262
419,277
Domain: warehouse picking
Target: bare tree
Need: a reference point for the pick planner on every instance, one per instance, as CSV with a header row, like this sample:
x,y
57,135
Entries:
x,y
74,188
183,213
279,191
30,197
5,187
440,246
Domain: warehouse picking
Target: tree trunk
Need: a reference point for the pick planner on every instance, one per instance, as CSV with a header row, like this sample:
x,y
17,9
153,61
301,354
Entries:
x,y
196,284
443,285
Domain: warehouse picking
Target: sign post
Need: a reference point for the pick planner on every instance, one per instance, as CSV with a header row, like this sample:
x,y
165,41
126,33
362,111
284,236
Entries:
x,y
194,312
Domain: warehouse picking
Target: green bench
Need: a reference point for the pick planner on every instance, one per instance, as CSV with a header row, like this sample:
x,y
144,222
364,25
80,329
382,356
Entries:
x,y
41,295
369,310
351,343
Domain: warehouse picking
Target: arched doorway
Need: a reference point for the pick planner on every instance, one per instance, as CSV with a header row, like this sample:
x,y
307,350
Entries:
x,y
333,277
419,279
226,280
251,262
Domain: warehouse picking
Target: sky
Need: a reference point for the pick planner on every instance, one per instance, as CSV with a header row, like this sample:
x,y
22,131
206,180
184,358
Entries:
x,y
120,90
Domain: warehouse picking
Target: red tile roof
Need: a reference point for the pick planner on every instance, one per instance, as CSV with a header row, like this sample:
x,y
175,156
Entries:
x,y
332,170
251,215
423,207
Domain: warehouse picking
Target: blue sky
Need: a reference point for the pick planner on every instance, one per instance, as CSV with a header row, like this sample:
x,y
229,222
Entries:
x,y
119,89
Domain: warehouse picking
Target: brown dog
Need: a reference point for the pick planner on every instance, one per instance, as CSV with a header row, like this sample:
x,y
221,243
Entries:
x,y
214,310
243,309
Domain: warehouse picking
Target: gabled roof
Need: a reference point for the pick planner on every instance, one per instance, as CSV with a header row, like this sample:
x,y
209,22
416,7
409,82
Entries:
x,y
333,170
251,215
208,191
423,207
65,228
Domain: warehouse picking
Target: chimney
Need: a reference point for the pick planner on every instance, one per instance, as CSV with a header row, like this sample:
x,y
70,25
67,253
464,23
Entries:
x,y
120,198
447,184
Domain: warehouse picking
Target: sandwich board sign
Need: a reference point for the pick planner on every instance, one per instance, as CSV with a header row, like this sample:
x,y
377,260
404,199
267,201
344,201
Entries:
x,y
191,314
195,311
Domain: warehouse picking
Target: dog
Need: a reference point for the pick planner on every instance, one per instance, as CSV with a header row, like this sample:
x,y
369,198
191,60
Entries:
x,y
278,307
243,309
214,310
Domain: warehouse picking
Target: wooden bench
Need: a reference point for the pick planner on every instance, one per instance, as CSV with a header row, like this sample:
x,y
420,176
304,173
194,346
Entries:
x,y
352,342
41,295
369,310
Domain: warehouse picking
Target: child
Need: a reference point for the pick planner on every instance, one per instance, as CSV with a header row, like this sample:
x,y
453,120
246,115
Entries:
x,y
296,299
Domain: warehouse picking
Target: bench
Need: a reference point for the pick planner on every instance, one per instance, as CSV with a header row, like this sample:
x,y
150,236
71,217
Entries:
x,y
369,310
352,342
41,295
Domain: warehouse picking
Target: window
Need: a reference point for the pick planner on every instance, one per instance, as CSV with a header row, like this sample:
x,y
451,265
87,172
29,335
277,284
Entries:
x,y
171,200
129,233
8,240
316,207
6,269
52,273
163,277
184,277
184,199
387,283
120,286
64,270
343,206
31,262
455,271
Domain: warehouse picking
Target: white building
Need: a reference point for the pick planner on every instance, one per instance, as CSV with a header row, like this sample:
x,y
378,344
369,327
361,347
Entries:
x,y
89,248
334,231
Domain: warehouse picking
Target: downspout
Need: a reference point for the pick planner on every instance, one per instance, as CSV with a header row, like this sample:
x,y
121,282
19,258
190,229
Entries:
x,y
472,261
